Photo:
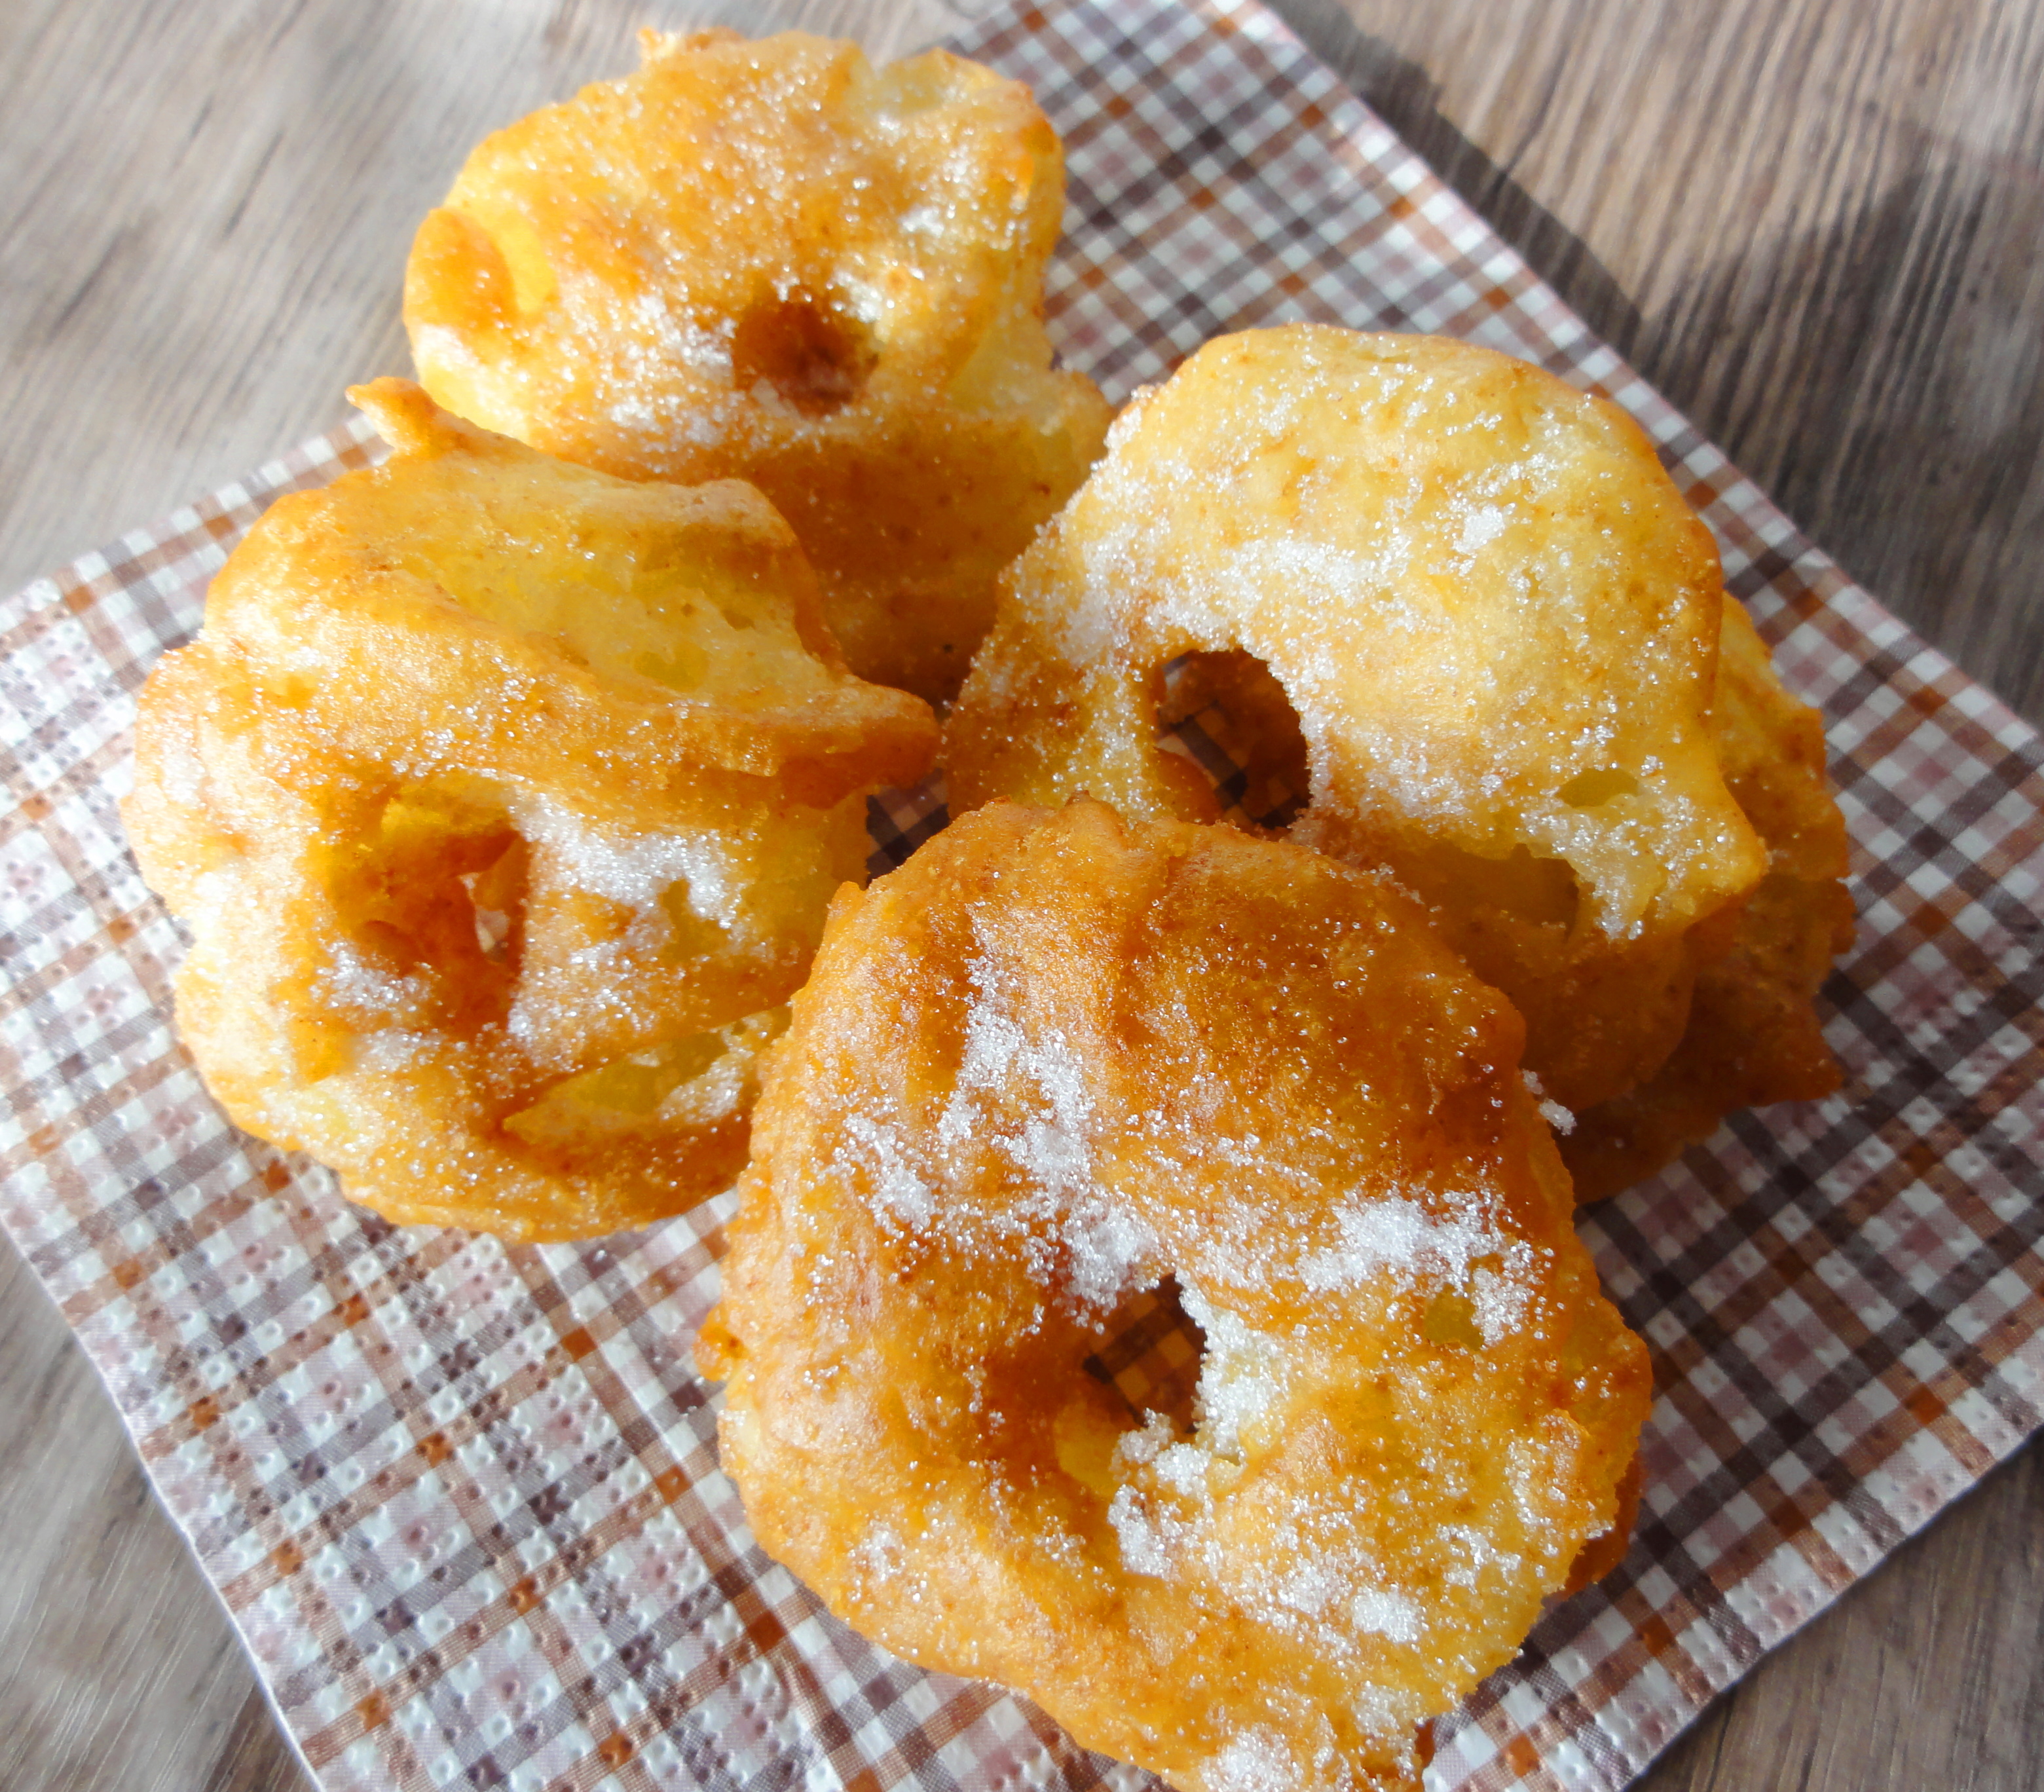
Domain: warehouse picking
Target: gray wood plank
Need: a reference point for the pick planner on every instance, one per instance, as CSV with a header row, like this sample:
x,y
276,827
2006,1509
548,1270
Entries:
x,y
118,1669
1812,225
206,210
1929,1673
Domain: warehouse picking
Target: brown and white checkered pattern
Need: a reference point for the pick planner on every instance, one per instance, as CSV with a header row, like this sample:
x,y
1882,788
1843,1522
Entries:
x,y
463,1501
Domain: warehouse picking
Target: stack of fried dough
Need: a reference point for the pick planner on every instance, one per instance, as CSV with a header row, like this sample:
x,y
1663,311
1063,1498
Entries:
x,y
514,795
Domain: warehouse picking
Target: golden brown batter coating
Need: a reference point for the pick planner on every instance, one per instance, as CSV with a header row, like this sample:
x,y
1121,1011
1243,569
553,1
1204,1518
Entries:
x,y
772,262
1050,1062
503,800
1753,1037
1494,616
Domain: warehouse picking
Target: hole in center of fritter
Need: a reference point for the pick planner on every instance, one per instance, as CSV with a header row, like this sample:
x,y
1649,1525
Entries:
x,y
432,890
1150,1355
1227,715
809,350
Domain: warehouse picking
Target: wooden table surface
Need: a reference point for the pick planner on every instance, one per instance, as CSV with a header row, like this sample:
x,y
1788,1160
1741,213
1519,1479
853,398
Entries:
x,y
1813,223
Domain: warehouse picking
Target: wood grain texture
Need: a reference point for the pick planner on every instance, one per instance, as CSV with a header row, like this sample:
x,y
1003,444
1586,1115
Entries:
x,y
117,1668
1812,223
206,210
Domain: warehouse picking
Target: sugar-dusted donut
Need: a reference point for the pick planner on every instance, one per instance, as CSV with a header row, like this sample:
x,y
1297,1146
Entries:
x,y
503,800
1054,1060
772,262
1496,620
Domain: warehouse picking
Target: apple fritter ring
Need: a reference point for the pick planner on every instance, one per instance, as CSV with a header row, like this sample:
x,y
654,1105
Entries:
x,y
1056,1060
1487,625
504,800
772,262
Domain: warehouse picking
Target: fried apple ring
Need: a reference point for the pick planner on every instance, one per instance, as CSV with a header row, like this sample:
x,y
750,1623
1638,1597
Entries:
x,y
503,800
1754,1035
1497,622
772,262
1054,1060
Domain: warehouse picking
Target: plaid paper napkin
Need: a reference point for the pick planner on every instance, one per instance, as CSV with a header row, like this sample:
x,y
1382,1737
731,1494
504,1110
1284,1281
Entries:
x,y
464,1501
